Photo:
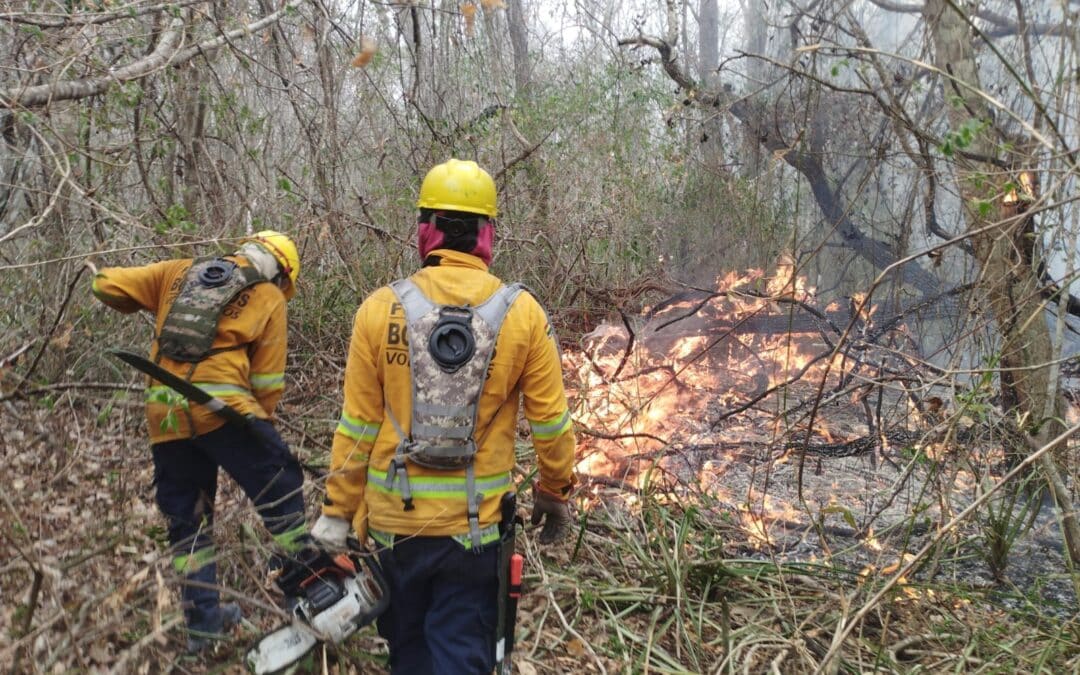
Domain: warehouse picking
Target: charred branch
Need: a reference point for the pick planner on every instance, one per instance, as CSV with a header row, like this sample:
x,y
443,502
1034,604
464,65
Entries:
x,y
1052,291
930,201
878,253
1003,26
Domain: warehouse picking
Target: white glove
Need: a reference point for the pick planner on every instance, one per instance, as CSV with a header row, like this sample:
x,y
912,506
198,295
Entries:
x,y
331,531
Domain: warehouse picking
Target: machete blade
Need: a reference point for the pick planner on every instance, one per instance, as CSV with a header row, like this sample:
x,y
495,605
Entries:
x,y
197,395
181,386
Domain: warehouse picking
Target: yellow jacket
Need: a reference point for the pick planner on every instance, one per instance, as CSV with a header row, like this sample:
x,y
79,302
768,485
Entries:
x,y
525,365
250,377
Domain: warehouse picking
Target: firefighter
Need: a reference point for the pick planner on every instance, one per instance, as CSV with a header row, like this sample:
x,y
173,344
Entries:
x,y
220,324
424,448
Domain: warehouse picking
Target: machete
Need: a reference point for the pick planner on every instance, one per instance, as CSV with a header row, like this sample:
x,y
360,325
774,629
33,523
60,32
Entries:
x,y
198,395
186,389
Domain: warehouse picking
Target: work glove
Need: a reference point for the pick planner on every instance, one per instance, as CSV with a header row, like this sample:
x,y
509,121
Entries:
x,y
330,531
557,509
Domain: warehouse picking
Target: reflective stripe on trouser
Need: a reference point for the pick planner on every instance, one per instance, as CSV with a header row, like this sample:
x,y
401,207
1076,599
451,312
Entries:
x,y
544,430
444,611
186,563
185,477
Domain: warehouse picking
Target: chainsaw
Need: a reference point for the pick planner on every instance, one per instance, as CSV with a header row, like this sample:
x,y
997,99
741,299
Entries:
x,y
330,598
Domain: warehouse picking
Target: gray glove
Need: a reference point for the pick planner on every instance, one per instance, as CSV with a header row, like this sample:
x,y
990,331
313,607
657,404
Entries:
x,y
558,523
331,531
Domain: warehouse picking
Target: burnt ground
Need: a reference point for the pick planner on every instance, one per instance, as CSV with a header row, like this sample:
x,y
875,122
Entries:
x,y
865,512
767,432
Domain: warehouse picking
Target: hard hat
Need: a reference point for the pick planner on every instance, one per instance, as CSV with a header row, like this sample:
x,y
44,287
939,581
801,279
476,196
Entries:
x,y
457,185
284,251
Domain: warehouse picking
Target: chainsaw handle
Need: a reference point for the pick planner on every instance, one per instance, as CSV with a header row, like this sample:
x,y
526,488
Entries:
x,y
362,556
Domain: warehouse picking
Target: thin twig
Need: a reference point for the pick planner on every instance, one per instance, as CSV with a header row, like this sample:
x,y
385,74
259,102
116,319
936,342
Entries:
x,y
553,603
845,628
48,335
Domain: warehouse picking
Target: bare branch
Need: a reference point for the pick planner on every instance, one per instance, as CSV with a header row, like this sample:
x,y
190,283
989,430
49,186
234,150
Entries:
x,y
62,20
42,94
168,52
877,252
1003,25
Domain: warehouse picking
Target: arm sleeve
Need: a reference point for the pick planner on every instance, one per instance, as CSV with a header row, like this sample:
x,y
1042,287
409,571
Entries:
x,y
268,360
129,289
546,408
361,417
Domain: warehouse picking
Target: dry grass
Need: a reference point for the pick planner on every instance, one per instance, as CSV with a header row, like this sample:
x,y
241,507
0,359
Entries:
x,y
668,589
652,584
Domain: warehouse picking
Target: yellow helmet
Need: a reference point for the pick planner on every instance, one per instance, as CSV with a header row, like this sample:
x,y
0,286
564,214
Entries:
x,y
455,185
284,250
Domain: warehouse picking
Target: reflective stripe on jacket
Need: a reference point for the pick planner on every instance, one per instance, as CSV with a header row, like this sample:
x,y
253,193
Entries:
x,y
249,372
525,368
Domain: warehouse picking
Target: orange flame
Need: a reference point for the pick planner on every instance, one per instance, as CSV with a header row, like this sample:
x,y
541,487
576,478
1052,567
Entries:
x,y
646,399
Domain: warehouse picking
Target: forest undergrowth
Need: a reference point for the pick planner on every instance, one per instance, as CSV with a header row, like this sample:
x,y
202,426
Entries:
x,y
908,169
657,579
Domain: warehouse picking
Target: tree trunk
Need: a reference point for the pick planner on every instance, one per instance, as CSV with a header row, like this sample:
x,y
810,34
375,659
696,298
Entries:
x,y
755,29
416,26
711,141
326,172
191,116
1002,239
519,44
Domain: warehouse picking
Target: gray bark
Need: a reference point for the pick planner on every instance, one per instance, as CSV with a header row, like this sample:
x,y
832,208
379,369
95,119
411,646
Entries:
x,y
1001,240
756,35
519,44
712,146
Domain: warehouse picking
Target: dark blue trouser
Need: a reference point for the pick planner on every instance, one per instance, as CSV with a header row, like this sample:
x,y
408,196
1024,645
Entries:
x,y
185,476
443,607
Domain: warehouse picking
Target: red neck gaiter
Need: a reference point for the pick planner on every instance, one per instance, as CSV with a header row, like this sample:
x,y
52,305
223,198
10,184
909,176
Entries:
x,y
429,238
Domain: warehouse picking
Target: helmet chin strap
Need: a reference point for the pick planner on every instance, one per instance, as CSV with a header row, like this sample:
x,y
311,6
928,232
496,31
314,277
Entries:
x,y
261,259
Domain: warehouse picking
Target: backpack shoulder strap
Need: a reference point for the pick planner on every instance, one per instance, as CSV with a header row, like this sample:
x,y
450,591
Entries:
x,y
493,310
412,299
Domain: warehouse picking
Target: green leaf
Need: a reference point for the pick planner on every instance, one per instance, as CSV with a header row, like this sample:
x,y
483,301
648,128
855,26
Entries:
x,y
170,422
844,512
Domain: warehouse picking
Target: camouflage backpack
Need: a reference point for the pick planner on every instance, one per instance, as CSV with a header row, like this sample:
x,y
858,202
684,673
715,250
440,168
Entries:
x,y
191,325
450,349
